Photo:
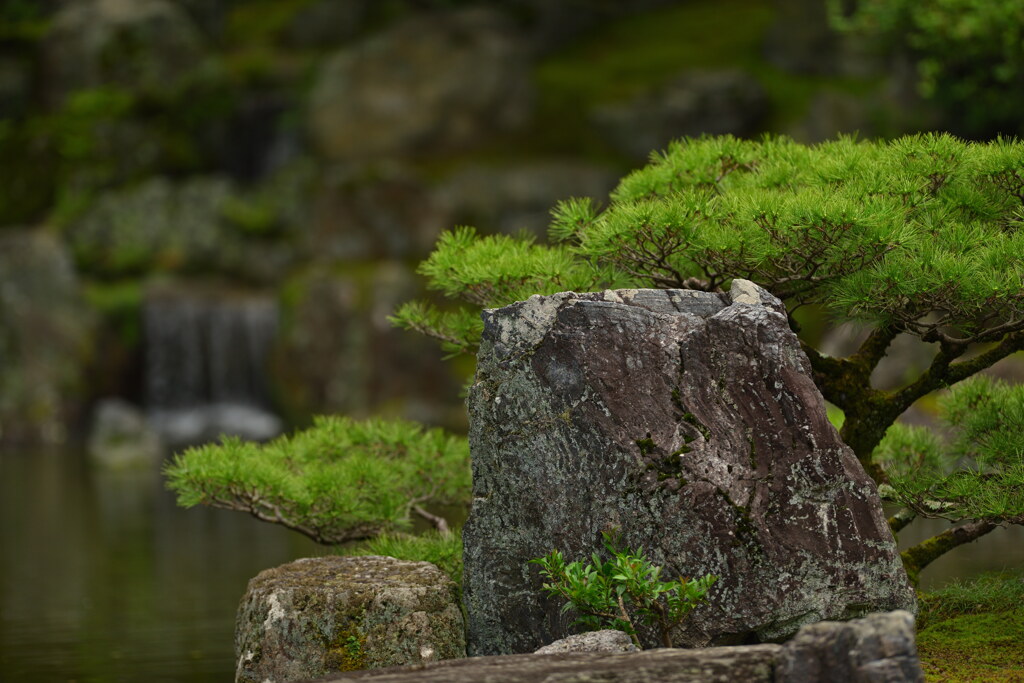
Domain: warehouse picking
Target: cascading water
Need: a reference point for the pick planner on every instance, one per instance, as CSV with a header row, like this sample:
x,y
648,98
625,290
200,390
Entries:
x,y
205,365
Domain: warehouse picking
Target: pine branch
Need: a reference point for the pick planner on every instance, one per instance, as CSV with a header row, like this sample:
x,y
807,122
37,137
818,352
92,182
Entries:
x,y
921,555
943,372
265,511
872,350
440,523
901,519
829,374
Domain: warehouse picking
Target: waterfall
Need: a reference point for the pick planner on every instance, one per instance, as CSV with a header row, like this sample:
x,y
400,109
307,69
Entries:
x,y
206,355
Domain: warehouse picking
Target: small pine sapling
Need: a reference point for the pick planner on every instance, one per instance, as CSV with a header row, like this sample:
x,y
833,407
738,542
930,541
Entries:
x,y
618,591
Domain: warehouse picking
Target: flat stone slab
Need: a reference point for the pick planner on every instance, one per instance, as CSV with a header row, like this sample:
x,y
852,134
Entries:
x,y
756,664
879,648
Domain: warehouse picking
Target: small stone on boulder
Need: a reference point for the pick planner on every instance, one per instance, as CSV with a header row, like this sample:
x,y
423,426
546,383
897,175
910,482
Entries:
x,y
607,640
322,615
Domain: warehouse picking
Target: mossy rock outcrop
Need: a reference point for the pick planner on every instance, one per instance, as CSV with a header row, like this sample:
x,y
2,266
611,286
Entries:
x,y
142,45
46,339
464,74
321,615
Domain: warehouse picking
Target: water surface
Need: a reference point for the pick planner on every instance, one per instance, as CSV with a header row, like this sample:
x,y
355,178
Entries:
x,y
104,579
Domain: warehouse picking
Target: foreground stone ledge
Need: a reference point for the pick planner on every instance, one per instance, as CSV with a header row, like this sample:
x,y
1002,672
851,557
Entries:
x,y
749,664
879,648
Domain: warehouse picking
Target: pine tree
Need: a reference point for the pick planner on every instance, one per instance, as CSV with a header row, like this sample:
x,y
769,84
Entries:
x,y
922,236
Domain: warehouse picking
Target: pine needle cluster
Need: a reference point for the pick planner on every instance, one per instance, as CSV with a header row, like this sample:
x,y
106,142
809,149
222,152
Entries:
x,y
980,473
341,480
923,233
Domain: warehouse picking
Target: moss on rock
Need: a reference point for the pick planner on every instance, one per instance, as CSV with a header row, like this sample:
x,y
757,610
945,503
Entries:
x,y
315,616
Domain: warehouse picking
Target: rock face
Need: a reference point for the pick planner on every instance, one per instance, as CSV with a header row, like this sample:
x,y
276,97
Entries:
x,y
167,226
689,422
461,74
872,650
320,615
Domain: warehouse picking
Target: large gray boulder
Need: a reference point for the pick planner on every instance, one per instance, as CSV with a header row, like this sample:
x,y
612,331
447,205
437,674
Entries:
x,y
320,615
433,81
689,422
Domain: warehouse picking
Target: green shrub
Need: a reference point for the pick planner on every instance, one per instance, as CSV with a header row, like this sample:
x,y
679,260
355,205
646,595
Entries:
x,y
614,592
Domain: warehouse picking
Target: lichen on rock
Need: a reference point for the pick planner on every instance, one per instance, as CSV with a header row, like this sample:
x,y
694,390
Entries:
x,y
320,615
688,421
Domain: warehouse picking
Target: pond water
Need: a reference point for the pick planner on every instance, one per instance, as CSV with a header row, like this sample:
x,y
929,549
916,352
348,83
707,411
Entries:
x,y
104,579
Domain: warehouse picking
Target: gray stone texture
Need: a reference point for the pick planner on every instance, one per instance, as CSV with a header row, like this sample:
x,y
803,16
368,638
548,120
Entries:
x,y
689,422
750,664
186,226
877,648
141,45
607,640
320,615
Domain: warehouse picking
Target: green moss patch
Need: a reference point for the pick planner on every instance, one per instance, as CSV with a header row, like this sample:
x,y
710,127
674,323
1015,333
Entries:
x,y
637,54
974,631
443,550
974,647
347,652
